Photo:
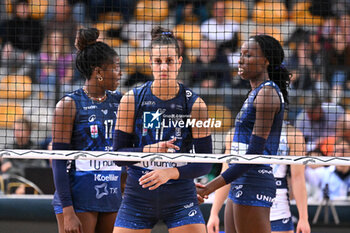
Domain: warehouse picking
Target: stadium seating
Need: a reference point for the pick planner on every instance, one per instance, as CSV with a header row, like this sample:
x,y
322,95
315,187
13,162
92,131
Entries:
x,y
152,10
138,60
38,8
9,111
189,33
236,11
15,87
270,12
220,113
301,15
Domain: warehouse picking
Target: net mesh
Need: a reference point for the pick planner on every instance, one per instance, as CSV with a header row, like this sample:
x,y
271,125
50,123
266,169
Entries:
x,y
38,61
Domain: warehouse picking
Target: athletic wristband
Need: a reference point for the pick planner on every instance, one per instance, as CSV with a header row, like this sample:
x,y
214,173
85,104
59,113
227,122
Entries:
x,y
235,171
203,145
256,147
193,170
60,176
124,142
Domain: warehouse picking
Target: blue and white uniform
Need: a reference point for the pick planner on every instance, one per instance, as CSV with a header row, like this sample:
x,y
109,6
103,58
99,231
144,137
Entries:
x,y
95,184
256,187
174,202
280,215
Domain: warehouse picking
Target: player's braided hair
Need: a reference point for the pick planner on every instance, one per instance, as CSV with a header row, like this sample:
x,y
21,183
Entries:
x,y
274,53
92,53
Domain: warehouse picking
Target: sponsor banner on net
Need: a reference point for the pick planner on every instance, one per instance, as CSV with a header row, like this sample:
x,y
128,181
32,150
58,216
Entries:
x,y
96,165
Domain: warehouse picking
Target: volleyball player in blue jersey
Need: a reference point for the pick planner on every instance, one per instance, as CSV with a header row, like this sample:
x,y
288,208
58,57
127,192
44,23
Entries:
x,y
88,195
162,116
257,131
291,143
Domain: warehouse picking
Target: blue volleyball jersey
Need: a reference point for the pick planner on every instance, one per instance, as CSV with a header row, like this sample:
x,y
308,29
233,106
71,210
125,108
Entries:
x,y
175,202
259,175
95,184
161,120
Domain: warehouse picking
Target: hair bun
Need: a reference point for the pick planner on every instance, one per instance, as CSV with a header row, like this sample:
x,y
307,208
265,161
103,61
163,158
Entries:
x,y
86,37
159,31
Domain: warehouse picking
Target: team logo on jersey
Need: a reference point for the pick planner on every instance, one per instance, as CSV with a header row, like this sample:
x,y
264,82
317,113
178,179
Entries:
x,y
101,190
151,120
94,131
92,118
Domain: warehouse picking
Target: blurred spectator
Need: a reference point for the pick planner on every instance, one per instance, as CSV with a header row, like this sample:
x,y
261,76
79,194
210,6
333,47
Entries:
x,y
344,25
190,11
97,7
322,8
22,132
305,63
211,69
338,66
56,60
21,40
318,120
337,178
224,32
63,20
326,146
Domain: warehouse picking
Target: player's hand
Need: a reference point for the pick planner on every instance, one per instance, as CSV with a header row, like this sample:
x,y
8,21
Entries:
x,y
199,197
303,226
156,178
213,224
201,192
162,147
71,221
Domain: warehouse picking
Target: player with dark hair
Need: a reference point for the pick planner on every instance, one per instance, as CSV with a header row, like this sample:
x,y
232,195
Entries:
x,y
162,116
257,131
88,193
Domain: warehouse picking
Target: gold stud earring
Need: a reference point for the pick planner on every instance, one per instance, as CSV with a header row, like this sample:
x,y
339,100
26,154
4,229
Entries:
x,y
99,78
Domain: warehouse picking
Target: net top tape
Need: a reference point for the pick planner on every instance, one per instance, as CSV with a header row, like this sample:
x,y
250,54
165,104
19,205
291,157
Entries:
x,y
174,157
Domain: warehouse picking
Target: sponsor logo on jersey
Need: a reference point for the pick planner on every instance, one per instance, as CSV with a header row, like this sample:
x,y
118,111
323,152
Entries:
x,y
263,171
192,213
101,190
110,177
189,205
105,111
92,118
262,197
90,107
147,103
188,94
285,220
94,131
239,194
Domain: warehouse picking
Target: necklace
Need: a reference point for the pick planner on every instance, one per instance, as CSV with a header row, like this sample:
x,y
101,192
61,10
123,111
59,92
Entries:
x,y
99,99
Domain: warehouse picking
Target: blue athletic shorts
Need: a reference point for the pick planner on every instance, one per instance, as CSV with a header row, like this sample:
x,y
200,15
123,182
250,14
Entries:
x,y
252,195
285,224
58,210
174,202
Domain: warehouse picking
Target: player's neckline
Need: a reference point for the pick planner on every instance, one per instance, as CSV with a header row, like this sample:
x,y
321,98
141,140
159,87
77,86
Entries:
x,y
97,99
